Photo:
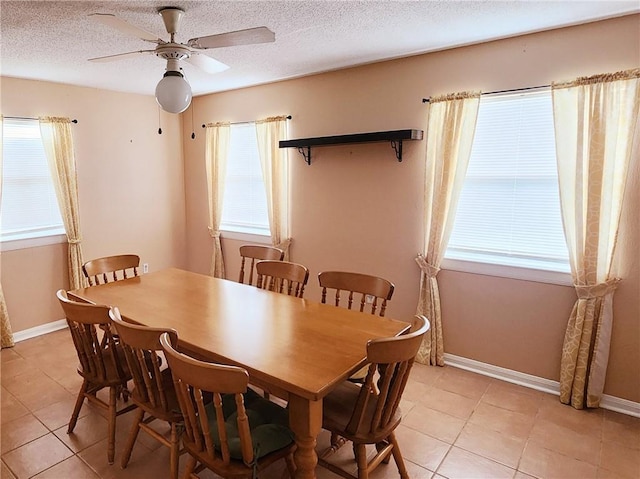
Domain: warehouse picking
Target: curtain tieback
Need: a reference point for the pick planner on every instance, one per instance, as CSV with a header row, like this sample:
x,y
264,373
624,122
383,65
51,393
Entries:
x,y
428,269
213,234
284,245
74,241
597,290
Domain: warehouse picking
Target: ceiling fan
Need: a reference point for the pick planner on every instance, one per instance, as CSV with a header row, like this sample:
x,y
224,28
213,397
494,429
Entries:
x,y
173,93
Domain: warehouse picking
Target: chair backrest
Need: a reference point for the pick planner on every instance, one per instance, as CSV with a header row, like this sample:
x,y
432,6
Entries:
x,y
392,358
256,253
194,378
372,289
98,357
111,268
282,277
141,346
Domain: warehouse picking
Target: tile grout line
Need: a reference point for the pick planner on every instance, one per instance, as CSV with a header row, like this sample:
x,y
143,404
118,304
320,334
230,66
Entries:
x,y
526,443
451,446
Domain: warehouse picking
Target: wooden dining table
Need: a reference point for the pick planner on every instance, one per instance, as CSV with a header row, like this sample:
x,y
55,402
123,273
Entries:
x,y
295,348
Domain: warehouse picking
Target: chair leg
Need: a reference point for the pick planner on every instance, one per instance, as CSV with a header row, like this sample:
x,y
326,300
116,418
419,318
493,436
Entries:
x,y
175,450
397,456
191,465
337,442
111,447
123,392
78,406
360,451
131,440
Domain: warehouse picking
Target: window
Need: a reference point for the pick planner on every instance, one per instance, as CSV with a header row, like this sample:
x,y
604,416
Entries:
x,y
29,207
244,208
509,209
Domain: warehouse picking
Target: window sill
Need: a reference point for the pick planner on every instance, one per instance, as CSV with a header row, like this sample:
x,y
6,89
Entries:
x,y
248,237
512,272
24,243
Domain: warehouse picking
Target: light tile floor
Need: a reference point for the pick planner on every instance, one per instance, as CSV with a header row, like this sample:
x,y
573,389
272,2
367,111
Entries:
x,y
456,424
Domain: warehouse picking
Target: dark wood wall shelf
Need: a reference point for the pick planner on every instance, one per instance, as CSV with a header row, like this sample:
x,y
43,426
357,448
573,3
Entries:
x,y
396,137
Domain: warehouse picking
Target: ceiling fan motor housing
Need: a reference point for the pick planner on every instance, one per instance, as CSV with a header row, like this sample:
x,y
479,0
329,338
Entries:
x,y
173,51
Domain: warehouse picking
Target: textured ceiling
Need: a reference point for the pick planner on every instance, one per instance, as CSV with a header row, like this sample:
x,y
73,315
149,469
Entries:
x,y
52,40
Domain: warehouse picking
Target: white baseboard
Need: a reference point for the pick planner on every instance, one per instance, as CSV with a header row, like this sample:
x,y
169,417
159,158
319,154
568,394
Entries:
x,y
612,403
620,405
39,330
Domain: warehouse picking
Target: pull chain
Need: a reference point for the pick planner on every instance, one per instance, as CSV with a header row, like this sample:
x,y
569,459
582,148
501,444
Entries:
x,y
193,133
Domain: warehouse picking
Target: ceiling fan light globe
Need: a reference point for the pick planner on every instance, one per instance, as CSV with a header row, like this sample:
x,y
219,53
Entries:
x,y
173,94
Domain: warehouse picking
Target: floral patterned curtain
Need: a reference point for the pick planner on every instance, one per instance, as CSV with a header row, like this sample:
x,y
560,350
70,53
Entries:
x,y
452,124
58,147
216,151
275,171
594,119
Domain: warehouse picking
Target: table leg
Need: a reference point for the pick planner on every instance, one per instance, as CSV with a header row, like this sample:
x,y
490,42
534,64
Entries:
x,y
305,420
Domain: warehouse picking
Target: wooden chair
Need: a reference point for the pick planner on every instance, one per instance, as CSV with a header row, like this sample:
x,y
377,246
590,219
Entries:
x,y
282,277
372,289
369,414
111,268
102,362
217,436
256,253
153,393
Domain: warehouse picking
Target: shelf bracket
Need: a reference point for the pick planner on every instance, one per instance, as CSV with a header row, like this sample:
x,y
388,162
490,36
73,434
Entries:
x,y
397,147
306,155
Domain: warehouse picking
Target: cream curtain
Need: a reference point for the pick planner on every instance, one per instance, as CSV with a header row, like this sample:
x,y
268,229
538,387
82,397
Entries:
x,y
6,335
217,149
58,146
594,119
452,123
275,172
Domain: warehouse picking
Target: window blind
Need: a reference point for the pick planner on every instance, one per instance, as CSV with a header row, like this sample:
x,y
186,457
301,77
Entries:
x,y
509,209
245,201
29,207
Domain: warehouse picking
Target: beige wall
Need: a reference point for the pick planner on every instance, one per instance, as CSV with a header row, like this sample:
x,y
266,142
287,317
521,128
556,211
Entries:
x,y
356,208
130,182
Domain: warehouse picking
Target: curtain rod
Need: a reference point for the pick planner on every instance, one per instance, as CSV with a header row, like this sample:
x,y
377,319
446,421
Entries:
x,y
29,118
288,117
513,90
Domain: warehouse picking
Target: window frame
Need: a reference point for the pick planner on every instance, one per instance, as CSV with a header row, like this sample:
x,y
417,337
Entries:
x,y
246,237
505,271
34,242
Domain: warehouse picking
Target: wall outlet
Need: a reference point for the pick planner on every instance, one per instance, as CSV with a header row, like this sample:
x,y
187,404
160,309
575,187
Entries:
x,y
369,299
145,267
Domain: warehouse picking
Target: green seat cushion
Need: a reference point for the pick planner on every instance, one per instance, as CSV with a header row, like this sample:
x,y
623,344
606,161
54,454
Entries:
x,y
268,423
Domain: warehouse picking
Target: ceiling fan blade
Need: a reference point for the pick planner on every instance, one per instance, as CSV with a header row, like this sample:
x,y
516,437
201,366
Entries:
x,y
231,39
119,56
206,63
125,27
